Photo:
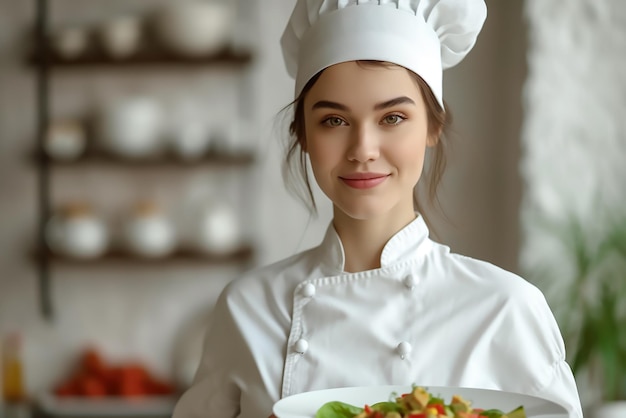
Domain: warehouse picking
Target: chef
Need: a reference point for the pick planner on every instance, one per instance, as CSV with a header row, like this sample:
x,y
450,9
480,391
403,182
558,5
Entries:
x,y
378,301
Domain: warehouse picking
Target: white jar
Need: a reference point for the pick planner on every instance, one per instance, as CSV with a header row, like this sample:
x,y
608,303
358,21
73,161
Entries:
x,y
65,140
121,36
70,42
75,231
132,127
190,138
195,27
218,230
147,232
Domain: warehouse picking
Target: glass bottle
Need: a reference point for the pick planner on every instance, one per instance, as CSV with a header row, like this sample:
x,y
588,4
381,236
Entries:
x,y
15,404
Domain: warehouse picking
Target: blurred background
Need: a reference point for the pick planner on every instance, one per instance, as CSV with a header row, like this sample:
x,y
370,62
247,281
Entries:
x,y
141,144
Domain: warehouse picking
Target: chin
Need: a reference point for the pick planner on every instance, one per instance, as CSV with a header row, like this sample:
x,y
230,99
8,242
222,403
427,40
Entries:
x,y
364,212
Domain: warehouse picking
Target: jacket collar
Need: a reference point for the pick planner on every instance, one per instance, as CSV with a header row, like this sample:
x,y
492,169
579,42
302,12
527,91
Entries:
x,y
407,243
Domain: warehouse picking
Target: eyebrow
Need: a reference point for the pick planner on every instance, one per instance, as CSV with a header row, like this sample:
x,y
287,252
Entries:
x,y
326,104
394,102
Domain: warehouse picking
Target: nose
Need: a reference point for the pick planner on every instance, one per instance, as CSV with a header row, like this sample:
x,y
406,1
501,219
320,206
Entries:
x,y
364,145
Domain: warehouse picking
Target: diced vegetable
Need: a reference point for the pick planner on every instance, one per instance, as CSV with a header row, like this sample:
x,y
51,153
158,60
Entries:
x,y
418,403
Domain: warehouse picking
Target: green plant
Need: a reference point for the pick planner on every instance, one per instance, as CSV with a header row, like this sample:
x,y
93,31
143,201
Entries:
x,y
592,307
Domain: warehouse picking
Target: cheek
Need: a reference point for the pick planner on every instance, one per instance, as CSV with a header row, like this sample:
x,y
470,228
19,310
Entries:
x,y
322,145
321,154
412,141
410,154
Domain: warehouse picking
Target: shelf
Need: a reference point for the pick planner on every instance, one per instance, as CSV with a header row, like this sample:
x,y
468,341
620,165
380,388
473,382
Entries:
x,y
162,161
243,255
143,58
45,62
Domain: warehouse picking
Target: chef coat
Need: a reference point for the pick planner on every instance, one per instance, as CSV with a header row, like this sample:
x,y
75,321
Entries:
x,y
426,316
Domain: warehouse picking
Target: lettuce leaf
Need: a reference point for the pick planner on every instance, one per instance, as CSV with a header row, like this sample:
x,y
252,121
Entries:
x,y
387,407
338,410
492,413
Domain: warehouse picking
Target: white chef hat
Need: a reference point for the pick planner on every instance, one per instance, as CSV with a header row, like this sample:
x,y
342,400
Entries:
x,y
424,36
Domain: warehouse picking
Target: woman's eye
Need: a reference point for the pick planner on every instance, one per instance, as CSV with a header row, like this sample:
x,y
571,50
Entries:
x,y
393,119
334,122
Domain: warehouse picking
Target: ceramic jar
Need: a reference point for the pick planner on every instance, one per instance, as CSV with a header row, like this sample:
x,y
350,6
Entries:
x,y
191,141
65,140
70,42
121,36
147,232
76,231
195,27
189,130
131,127
218,230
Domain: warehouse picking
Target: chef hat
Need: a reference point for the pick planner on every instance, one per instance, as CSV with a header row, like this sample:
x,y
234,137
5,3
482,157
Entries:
x,y
424,36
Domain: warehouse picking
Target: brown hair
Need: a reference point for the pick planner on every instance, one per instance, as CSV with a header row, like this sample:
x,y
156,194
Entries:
x,y
439,120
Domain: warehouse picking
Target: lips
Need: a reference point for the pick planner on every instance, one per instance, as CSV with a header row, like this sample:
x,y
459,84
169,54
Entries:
x,y
364,180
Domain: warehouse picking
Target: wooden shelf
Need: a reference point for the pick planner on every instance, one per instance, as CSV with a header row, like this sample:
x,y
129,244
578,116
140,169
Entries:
x,y
161,161
243,255
143,58
44,61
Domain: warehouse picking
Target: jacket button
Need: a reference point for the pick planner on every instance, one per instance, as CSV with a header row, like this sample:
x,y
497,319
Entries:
x,y
301,346
308,291
410,281
403,349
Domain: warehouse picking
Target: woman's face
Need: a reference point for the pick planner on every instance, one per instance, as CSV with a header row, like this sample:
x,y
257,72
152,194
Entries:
x,y
366,134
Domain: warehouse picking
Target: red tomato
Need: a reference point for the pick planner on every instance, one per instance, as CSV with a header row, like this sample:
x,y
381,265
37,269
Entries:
x,y
66,389
92,362
159,387
129,388
92,387
133,372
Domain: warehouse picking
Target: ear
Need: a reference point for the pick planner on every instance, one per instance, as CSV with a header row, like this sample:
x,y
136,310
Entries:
x,y
434,139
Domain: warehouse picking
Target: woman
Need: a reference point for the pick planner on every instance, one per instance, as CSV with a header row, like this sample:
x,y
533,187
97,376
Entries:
x,y
377,302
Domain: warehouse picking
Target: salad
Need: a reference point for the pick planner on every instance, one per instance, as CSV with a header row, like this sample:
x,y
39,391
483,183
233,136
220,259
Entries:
x,y
418,403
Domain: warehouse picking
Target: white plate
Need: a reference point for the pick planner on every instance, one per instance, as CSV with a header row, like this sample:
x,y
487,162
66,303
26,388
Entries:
x,y
305,405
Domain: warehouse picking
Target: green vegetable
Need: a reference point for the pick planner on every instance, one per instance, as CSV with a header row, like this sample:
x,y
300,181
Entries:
x,y
337,409
496,413
517,413
492,413
387,407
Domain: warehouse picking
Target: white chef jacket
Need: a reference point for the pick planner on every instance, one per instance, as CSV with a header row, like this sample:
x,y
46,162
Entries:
x,y
425,317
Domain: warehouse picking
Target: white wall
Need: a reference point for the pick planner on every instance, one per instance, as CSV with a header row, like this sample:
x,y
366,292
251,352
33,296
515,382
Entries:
x,y
574,141
573,134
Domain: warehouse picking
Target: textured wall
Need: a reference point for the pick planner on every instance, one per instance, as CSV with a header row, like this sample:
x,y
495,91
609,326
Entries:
x,y
574,132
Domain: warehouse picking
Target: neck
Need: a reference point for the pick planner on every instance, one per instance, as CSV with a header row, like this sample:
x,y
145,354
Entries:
x,y
363,240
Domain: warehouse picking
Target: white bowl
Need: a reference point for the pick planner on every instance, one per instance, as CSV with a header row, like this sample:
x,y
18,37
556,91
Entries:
x,y
81,237
194,27
132,127
121,36
149,236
